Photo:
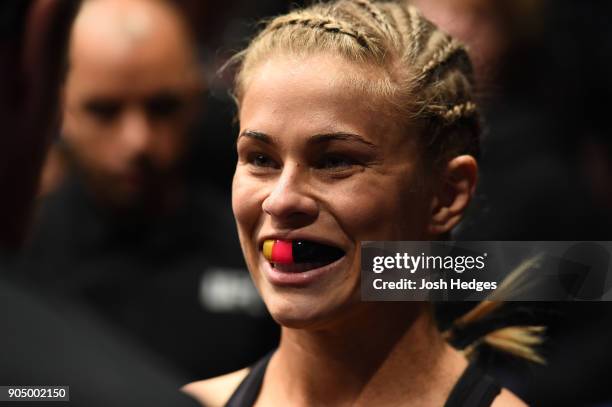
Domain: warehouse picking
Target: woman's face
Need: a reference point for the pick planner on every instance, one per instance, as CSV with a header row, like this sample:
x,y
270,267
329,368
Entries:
x,y
319,162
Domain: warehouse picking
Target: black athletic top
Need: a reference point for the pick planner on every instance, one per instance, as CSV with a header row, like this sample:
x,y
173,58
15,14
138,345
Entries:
x,y
473,389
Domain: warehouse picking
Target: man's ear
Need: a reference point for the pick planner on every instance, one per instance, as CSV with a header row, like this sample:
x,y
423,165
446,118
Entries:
x,y
453,194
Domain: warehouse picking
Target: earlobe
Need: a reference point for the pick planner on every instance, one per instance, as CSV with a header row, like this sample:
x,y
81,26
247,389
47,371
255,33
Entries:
x,y
453,195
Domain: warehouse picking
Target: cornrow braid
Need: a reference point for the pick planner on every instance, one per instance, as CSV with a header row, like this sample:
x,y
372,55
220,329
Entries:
x,y
324,23
416,31
460,111
441,56
376,14
401,21
455,112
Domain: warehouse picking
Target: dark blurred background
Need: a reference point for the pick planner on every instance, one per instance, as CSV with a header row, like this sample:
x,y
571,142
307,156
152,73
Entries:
x,y
158,257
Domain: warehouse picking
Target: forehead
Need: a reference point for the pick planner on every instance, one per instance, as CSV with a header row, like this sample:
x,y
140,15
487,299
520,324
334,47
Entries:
x,y
308,95
129,51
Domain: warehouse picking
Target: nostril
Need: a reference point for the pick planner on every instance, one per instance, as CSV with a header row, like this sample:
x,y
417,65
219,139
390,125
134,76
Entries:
x,y
290,207
289,201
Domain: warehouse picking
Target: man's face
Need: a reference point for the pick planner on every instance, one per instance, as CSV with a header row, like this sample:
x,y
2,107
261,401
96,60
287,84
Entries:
x,y
129,101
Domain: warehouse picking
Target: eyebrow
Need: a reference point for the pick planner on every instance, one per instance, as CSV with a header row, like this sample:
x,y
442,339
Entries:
x,y
263,137
341,136
316,139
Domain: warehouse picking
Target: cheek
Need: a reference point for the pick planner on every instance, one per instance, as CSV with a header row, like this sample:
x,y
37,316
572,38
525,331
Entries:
x,y
381,211
168,147
93,149
94,140
358,217
246,203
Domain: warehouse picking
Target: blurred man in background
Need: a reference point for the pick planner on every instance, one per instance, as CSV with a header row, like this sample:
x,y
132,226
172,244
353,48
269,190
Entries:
x,y
46,341
125,232
130,98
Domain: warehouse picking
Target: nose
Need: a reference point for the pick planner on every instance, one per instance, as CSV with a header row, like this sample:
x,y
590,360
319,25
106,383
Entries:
x,y
136,132
289,203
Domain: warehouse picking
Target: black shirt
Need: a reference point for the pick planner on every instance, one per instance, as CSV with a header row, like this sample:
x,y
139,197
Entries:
x,y
51,342
473,389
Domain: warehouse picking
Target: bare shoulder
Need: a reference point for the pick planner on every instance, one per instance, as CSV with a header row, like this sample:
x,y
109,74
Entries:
x,y
217,390
508,399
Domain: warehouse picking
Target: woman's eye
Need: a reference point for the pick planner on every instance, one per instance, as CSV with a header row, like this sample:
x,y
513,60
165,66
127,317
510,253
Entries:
x,y
332,162
262,160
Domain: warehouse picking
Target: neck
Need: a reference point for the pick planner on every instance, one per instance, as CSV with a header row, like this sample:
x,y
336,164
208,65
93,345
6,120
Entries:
x,y
392,346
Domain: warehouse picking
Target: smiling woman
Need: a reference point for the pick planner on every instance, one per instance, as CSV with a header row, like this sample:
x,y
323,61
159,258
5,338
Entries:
x,y
331,170
357,122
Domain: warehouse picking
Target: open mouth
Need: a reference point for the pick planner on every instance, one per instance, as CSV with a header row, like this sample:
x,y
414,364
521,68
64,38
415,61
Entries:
x,y
297,256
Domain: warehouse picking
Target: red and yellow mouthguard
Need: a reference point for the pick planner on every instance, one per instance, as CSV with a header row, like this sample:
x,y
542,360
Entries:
x,y
300,251
278,251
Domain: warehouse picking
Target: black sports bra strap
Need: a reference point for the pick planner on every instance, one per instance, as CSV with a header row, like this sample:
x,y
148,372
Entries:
x,y
473,389
248,390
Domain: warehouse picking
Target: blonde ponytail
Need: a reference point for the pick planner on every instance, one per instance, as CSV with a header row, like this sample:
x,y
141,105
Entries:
x,y
520,341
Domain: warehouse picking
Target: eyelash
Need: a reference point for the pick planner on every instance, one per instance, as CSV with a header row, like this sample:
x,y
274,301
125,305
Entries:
x,y
254,158
328,162
339,162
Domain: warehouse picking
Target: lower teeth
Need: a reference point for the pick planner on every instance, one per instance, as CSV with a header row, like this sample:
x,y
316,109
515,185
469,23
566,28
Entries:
x,y
296,267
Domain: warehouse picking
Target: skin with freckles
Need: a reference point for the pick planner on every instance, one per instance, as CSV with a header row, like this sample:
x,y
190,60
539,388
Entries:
x,y
129,98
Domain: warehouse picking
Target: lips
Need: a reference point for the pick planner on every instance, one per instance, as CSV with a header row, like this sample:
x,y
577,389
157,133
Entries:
x,y
297,256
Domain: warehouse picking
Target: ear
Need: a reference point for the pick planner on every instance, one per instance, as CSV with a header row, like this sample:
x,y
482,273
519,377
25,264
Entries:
x,y
453,194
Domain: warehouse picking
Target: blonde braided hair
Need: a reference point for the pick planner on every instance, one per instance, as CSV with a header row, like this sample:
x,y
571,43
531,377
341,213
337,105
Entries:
x,y
425,76
327,24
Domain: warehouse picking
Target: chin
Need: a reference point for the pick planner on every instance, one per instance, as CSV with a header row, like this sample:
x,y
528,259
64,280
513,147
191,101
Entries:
x,y
316,301
295,316
301,310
